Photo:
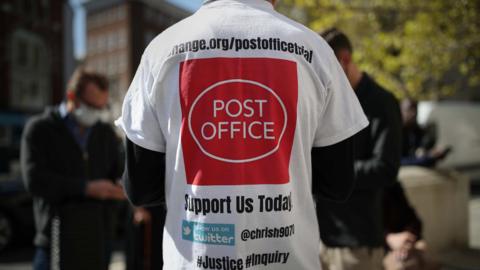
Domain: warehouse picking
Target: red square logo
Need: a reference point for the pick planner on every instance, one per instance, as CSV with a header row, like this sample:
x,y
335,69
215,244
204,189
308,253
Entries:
x,y
238,120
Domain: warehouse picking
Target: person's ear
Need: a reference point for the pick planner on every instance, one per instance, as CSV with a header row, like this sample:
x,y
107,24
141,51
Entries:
x,y
345,58
72,98
71,95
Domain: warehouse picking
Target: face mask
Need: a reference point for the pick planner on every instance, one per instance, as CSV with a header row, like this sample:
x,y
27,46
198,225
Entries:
x,y
88,116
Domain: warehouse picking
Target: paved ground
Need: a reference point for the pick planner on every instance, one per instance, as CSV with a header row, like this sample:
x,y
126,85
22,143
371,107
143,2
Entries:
x,y
20,259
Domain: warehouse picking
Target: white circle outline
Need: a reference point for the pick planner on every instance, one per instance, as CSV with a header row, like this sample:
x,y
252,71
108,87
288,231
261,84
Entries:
x,y
237,160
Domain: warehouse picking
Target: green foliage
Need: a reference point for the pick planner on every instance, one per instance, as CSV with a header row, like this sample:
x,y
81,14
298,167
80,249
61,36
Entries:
x,y
423,49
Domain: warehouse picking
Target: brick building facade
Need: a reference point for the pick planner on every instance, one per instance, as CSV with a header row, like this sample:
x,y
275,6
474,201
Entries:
x,y
31,54
117,33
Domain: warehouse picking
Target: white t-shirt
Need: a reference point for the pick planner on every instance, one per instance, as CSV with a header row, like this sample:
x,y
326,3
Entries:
x,y
237,95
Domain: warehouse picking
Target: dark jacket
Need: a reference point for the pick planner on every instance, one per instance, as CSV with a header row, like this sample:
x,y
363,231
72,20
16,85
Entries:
x,y
358,222
399,215
55,168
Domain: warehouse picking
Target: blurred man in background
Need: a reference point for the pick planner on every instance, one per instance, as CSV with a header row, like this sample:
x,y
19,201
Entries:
x,y
70,164
353,232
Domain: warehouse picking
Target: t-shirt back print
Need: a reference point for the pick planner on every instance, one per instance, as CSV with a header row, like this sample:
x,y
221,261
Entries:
x,y
238,120
236,96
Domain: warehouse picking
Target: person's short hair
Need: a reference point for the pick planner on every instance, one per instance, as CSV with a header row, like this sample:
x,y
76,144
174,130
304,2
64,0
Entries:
x,y
337,40
81,78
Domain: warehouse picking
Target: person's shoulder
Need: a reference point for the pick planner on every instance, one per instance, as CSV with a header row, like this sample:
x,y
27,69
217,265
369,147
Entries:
x,y
390,99
40,122
382,103
387,96
381,93
106,128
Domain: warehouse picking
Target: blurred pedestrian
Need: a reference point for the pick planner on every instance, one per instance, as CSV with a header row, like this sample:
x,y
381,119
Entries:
x,y
70,164
221,119
418,145
352,232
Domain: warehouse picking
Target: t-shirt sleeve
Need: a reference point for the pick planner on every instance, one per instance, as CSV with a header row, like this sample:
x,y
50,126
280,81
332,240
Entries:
x,y
139,118
342,115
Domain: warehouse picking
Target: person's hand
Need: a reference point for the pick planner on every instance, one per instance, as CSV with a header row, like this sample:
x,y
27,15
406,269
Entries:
x,y
104,189
398,240
439,153
141,215
401,244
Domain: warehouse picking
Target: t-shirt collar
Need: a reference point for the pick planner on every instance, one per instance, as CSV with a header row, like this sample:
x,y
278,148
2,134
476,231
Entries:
x,y
254,3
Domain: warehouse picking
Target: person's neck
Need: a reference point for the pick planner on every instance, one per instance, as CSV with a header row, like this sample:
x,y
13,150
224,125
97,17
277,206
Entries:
x,y
70,108
355,75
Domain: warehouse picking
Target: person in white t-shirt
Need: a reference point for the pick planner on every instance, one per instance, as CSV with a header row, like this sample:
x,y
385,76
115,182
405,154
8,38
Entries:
x,y
225,116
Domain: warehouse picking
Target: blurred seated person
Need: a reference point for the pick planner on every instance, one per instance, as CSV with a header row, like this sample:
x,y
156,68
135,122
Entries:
x,y
418,143
403,230
403,234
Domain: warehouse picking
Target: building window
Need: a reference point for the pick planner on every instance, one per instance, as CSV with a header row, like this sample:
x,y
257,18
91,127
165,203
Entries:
x,y
89,23
93,21
5,136
46,10
91,45
99,20
30,71
111,67
122,38
114,15
104,66
113,82
34,91
97,45
122,63
90,63
110,16
111,40
27,7
36,55
101,43
39,10
121,13
122,87
22,50
98,66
